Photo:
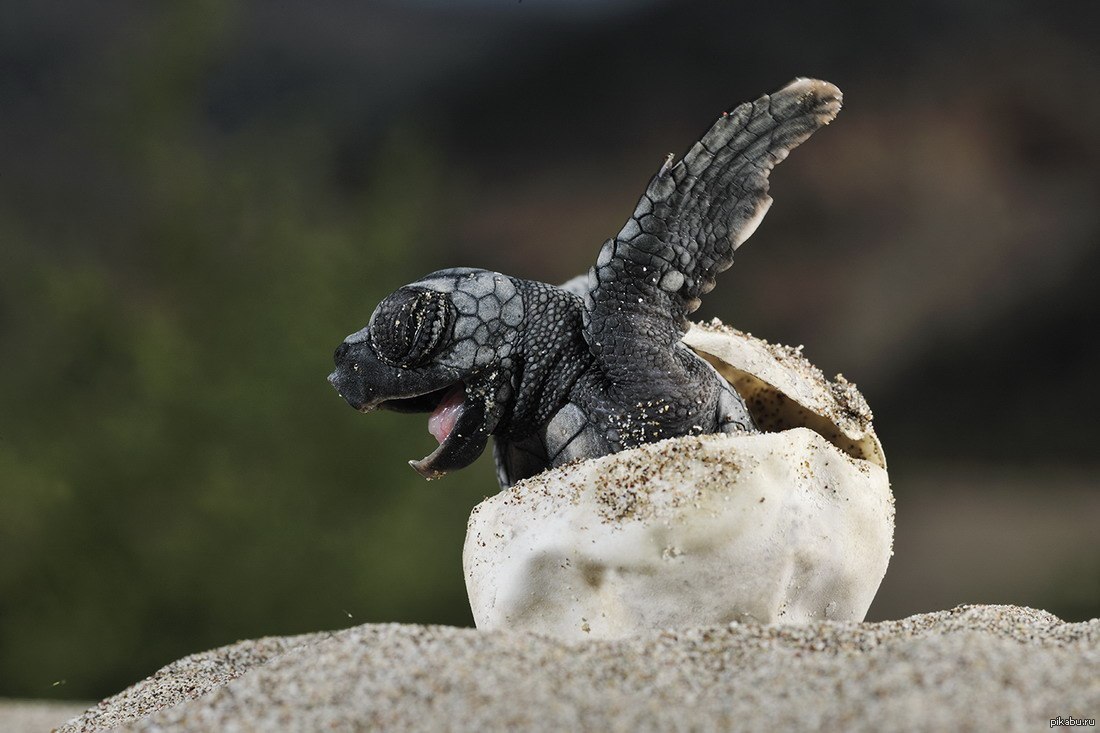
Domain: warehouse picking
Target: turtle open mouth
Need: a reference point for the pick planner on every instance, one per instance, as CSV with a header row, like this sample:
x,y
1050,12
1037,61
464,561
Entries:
x,y
456,422
445,415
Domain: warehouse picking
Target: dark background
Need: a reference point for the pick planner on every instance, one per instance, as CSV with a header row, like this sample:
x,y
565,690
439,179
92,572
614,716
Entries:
x,y
199,200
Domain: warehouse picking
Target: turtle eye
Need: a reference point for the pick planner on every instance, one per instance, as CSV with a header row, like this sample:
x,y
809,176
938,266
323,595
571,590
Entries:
x,y
411,325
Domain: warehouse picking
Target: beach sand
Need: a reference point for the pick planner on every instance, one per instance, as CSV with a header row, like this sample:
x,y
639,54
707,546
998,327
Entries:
x,y
973,667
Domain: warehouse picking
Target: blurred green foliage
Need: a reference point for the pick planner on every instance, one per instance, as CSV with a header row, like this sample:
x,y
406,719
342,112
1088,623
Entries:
x,y
166,337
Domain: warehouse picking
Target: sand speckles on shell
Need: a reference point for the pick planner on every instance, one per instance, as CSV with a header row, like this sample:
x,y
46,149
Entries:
x,y
635,485
642,486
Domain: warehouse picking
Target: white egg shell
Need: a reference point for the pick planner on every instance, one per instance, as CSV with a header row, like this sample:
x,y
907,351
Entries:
x,y
788,526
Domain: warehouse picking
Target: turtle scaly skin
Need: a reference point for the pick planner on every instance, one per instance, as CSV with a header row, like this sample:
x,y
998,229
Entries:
x,y
597,365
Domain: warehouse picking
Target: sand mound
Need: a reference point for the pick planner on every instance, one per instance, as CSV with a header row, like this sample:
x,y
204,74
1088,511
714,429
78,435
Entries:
x,y
989,667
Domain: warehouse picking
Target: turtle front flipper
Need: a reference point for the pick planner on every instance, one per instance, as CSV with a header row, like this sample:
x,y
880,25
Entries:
x,y
692,217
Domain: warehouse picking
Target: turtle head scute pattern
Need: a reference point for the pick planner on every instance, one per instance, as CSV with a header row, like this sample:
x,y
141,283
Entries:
x,y
452,329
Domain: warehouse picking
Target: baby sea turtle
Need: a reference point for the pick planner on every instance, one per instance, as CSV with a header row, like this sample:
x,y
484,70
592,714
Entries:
x,y
597,365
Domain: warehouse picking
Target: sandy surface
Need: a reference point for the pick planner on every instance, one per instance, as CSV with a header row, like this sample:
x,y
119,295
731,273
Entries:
x,y
975,667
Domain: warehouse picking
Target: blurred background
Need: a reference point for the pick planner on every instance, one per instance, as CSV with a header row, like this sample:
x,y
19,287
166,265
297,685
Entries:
x,y
199,200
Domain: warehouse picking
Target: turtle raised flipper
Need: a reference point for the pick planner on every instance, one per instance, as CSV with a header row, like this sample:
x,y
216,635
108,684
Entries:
x,y
688,223
683,232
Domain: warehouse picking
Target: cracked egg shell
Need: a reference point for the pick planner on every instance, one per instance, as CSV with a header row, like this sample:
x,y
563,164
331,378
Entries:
x,y
791,525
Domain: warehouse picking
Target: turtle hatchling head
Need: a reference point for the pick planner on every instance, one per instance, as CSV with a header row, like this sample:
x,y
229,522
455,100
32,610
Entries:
x,y
441,345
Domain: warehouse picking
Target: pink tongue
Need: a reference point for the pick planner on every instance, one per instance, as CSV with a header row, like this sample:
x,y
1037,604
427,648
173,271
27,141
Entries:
x,y
444,417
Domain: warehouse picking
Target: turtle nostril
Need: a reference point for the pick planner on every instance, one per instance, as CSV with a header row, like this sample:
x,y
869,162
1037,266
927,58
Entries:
x,y
341,352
